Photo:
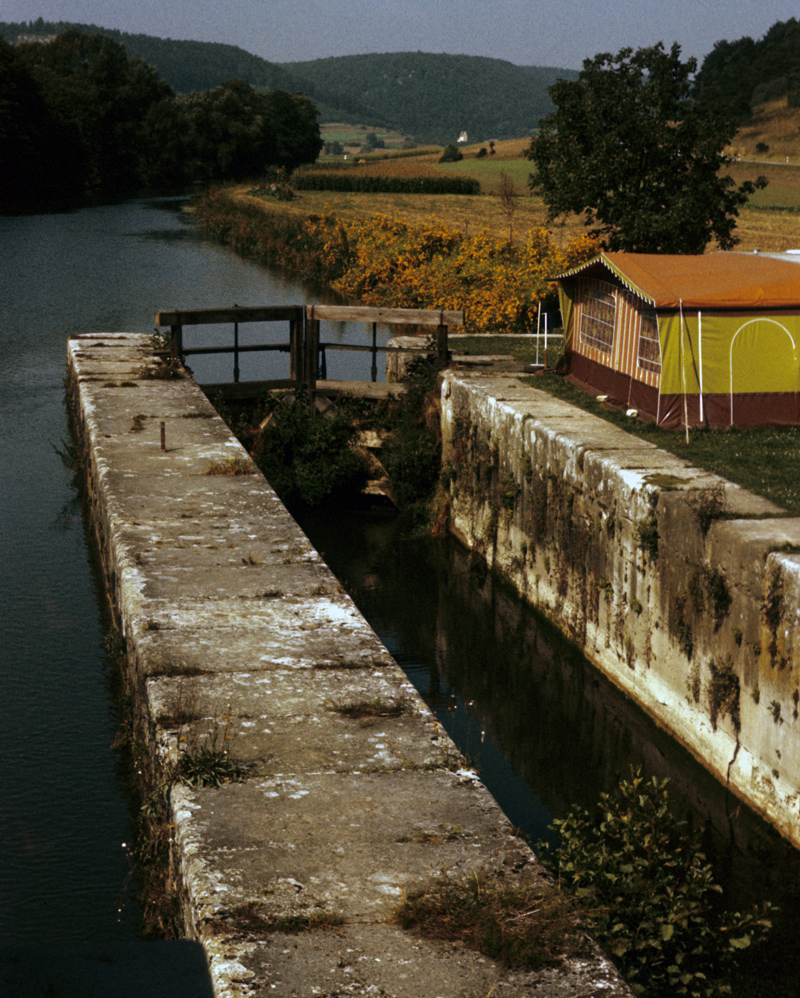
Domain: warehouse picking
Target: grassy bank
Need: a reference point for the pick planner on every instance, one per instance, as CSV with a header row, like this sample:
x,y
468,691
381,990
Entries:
x,y
768,223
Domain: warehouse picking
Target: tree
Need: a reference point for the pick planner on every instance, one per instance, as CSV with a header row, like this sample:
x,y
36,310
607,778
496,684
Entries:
x,y
508,201
99,99
234,131
31,140
451,154
631,148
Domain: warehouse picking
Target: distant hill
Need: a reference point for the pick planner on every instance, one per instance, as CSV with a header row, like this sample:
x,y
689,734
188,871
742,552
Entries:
x,y
185,66
430,97
746,73
436,97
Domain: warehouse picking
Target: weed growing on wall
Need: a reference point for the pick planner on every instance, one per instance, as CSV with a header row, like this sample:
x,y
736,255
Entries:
x,y
648,895
412,454
307,457
519,924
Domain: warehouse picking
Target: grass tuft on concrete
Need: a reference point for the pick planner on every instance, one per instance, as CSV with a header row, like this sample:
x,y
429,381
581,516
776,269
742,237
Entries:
x,y
523,925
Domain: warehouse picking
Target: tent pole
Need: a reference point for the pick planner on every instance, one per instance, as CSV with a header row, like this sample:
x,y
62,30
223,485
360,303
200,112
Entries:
x,y
538,328
700,352
683,378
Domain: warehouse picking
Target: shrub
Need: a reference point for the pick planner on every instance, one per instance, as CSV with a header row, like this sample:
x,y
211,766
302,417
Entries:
x,y
451,154
306,457
361,184
649,893
412,454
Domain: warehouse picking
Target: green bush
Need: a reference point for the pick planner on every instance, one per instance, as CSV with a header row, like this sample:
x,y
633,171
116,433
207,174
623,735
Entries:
x,y
361,184
649,894
412,455
307,457
451,154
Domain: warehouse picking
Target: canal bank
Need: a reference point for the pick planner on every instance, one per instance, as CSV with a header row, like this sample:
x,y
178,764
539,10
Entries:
x,y
241,643
681,587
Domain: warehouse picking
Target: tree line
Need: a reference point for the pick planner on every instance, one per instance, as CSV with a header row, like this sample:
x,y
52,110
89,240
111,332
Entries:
x,y
79,116
745,73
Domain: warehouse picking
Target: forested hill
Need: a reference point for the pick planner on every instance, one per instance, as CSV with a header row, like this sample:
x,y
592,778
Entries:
x,y
746,73
185,66
430,97
436,97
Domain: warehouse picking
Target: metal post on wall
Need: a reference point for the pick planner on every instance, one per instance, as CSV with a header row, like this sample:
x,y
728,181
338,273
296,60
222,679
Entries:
x,y
235,350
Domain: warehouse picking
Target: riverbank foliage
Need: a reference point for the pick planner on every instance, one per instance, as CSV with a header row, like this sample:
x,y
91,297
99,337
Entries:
x,y
378,260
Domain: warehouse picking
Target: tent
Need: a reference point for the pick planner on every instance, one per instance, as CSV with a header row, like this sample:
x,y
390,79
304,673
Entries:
x,y
710,340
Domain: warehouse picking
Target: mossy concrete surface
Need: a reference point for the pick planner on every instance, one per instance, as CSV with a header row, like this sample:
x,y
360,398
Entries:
x,y
239,639
681,587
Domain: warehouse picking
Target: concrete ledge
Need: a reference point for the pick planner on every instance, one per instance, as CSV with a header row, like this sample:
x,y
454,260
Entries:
x,y
238,634
663,574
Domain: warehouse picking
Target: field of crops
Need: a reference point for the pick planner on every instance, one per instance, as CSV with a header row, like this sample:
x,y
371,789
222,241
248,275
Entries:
x,y
770,222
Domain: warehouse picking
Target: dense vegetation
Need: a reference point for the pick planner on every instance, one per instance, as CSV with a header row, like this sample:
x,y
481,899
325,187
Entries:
x,y
184,65
745,73
629,147
376,260
372,184
79,116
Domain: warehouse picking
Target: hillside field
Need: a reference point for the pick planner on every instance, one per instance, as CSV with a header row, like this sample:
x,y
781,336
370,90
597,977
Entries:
x,y
770,222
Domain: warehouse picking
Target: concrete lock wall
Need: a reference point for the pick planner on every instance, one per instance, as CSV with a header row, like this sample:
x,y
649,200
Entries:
x,y
239,638
683,588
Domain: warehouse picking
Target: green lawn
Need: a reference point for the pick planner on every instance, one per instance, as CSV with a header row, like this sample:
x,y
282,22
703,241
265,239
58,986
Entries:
x,y
487,171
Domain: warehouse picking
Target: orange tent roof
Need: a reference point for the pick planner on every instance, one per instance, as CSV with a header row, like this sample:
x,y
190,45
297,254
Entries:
x,y
715,280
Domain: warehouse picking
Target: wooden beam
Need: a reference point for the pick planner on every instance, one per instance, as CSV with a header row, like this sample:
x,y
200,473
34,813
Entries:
x,y
210,316
390,316
241,390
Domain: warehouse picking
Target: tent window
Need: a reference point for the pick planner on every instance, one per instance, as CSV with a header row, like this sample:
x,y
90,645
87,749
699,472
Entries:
x,y
598,301
649,356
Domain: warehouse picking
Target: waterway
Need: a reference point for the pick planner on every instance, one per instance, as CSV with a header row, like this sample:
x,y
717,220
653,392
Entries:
x,y
544,730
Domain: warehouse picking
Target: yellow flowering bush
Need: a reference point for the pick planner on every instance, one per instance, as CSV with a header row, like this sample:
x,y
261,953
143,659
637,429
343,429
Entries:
x,y
383,261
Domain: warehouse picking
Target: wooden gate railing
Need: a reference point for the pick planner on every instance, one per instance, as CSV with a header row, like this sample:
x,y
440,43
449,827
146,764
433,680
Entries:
x,y
307,353
176,320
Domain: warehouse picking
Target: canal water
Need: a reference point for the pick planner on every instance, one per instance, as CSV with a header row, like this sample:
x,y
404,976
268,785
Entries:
x,y
544,731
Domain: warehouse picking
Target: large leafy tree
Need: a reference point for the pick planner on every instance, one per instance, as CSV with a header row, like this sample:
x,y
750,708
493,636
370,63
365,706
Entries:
x,y
100,99
630,148
234,131
31,140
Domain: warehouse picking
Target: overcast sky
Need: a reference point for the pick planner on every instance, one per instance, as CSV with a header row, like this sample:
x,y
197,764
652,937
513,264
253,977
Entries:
x,y
558,33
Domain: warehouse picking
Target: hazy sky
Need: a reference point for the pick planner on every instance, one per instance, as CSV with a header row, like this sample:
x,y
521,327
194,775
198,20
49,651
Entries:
x,y
526,32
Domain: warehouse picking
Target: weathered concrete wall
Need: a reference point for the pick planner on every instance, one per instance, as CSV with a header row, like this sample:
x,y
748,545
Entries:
x,y
683,588
238,634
